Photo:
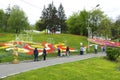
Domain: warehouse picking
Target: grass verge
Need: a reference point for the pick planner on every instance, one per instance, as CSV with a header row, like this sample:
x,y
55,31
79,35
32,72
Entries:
x,y
89,69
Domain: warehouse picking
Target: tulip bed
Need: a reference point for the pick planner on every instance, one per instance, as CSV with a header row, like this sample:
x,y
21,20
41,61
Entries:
x,y
104,42
28,47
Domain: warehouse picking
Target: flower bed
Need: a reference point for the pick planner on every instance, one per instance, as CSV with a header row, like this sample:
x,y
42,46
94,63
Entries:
x,y
104,42
28,47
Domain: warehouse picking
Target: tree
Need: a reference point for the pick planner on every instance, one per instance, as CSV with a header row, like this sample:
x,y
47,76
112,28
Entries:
x,y
83,20
95,20
73,24
105,28
17,20
2,17
7,15
52,19
116,28
61,18
49,17
95,17
39,25
43,22
77,23
100,24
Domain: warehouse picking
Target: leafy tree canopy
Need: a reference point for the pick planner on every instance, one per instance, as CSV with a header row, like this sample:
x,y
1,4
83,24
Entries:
x,y
17,20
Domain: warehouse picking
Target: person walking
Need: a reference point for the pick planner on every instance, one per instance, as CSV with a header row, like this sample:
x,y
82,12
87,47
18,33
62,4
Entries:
x,y
44,54
95,48
81,50
67,51
103,48
59,52
35,54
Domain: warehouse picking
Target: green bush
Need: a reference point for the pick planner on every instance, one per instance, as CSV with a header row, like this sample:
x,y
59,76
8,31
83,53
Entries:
x,y
113,53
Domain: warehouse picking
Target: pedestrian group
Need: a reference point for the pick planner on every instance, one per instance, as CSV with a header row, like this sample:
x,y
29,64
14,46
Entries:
x,y
67,51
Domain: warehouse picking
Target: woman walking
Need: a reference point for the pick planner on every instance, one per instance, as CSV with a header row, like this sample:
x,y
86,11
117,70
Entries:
x,y
67,51
44,54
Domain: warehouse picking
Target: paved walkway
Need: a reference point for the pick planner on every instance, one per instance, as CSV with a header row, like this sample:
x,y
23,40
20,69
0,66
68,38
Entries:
x,y
11,69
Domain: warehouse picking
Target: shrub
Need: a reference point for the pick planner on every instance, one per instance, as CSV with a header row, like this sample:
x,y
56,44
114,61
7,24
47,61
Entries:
x,y
113,53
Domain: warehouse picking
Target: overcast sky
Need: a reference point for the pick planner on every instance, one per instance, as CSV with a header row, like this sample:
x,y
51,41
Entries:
x,y
33,8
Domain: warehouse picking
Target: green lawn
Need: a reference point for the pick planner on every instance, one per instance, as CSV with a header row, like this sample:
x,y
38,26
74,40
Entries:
x,y
89,69
71,40
5,37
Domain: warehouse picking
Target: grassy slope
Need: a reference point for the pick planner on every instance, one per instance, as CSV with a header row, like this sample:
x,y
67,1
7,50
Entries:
x,y
4,37
90,69
71,40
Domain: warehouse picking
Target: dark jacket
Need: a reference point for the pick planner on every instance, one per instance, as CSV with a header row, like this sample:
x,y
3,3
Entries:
x,y
36,52
67,49
44,52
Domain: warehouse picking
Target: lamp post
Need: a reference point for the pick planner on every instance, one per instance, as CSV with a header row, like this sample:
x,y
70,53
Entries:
x,y
88,27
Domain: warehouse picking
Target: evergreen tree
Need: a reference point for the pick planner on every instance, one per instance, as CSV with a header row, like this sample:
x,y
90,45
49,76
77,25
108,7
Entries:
x,y
61,18
49,17
43,22
52,19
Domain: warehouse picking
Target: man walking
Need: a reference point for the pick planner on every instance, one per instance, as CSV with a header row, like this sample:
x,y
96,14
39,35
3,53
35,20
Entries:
x,y
35,54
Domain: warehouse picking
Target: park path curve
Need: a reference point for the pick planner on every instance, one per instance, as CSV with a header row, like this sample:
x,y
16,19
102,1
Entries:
x,y
11,69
